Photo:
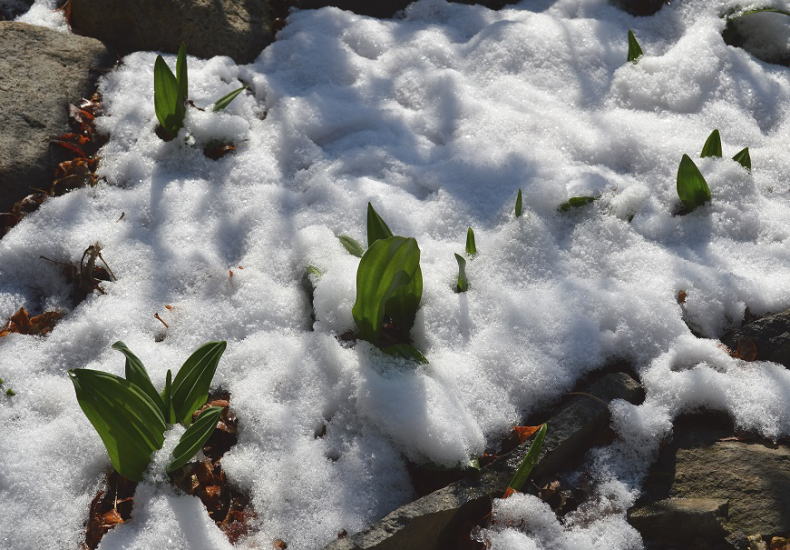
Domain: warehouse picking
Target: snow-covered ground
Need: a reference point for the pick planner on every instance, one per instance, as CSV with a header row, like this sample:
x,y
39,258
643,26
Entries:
x,y
437,118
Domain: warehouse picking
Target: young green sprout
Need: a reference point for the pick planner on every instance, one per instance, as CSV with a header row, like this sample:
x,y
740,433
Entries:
x,y
692,188
575,202
226,100
634,49
170,94
519,209
712,147
352,246
742,157
530,459
131,417
462,284
377,229
471,247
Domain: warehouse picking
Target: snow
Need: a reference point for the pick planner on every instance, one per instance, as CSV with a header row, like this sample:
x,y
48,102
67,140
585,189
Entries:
x,y
44,14
437,118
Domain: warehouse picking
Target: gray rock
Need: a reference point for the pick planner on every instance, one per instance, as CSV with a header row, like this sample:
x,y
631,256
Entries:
x,y
766,339
681,519
236,28
10,9
755,479
432,522
43,71
640,7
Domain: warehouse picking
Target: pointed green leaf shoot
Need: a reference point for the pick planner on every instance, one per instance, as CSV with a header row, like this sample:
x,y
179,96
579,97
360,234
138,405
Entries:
x,y
406,351
128,421
377,229
462,285
389,287
712,147
522,474
519,206
167,399
170,93
351,245
135,373
191,384
742,157
575,202
227,99
165,93
471,248
182,79
194,438
693,190
634,49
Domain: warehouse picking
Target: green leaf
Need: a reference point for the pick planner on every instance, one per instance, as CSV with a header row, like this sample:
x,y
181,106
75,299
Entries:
x,y
463,284
405,351
191,384
634,49
525,468
10,393
194,438
128,421
167,400
377,229
389,286
742,157
313,270
575,202
135,372
693,190
165,94
351,245
183,85
227,99
471,248
519,207
712,147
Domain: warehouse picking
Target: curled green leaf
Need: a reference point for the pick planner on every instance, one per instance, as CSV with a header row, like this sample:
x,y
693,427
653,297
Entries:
x,y
134,371
462,284
471,247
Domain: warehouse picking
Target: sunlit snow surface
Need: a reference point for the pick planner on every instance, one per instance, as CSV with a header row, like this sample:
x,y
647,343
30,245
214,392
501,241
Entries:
x,y
438,118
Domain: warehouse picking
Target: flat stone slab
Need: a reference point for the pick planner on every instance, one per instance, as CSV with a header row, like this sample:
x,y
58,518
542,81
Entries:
x,y
43,71
432,522
681,519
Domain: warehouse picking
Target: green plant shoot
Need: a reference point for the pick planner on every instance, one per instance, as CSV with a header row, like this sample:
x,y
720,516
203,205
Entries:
x,y
471,247
742,157
389,290
226,100
170,93
351,245
525,468
712,147
575,202
377,229
462,284
634,49
519,209
693,190
131,417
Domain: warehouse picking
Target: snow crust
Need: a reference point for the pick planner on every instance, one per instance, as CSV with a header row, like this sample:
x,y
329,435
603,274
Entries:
x,y
438,118
44,14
